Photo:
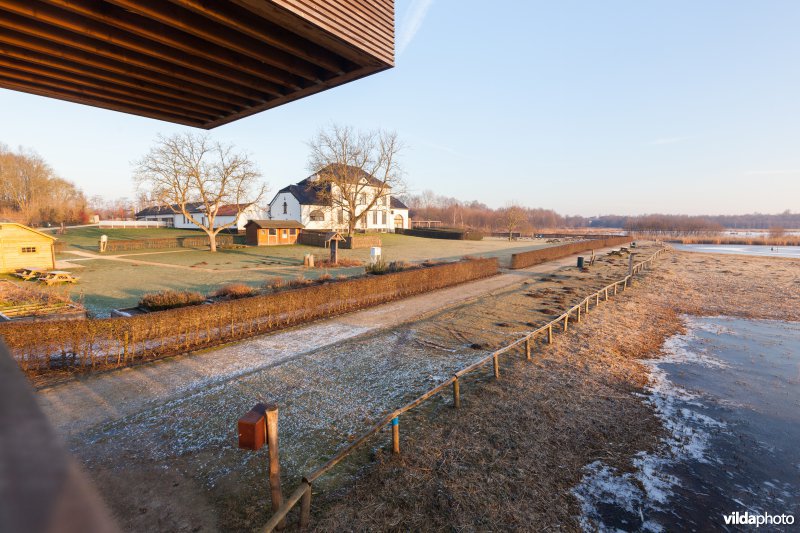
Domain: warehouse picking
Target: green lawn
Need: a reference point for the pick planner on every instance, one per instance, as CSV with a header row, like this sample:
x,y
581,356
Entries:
x,y
87,238
105,284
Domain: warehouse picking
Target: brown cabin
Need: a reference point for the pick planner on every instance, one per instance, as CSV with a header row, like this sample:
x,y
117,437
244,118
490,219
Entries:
x,y
272,232
24,247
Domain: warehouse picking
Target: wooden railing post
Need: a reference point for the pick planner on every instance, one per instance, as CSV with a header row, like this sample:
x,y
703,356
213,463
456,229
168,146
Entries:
x,y
606,293
550,334
456,394
587,306
596,299
305,507
566,322
396,435
615,289
579,313
496,361
528,348
274,463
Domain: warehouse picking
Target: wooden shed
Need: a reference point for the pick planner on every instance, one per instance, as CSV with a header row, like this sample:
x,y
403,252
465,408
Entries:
x,y
272,232
21,247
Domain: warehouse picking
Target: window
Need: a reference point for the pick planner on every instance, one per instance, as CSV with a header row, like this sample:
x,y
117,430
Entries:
x,y
293,231
317,215
341,216
273,231
285,207
383,216
28,249
283,233
374,218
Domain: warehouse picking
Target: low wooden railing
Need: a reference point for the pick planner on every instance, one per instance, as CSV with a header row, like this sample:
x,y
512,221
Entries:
x,y
303,492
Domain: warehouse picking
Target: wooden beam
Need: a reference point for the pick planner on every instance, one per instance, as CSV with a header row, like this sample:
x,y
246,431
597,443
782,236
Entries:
x,y
109,85
56,21
68,41
62,94
109,95
141,33
222,36
136,82
243,21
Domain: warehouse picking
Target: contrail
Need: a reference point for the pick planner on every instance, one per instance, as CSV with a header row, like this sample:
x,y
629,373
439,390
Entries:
x,y
412,22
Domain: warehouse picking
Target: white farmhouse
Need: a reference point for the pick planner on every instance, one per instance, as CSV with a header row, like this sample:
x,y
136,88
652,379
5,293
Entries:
x,y
225,215
308,203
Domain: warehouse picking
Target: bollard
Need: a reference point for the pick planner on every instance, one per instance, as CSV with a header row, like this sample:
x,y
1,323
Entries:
x,y
396,435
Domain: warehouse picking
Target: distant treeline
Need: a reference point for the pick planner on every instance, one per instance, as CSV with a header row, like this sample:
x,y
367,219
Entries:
x,y
787,220
473,214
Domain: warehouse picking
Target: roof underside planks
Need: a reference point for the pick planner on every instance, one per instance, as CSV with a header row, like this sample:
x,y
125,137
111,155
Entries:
x,y
191,62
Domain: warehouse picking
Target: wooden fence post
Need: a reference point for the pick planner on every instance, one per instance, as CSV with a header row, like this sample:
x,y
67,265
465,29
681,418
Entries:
x,y
305,507
125,348
496,360
528,348
566,322
396,435
615,289
579,313
596,299
456,394
587,306
550,334
274,463
606,293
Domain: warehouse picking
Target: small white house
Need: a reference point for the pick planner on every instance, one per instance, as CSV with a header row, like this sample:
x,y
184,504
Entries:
x,y
225,215
304,203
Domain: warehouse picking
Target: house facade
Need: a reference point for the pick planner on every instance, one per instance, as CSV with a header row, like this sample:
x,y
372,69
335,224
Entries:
x,y
225,215
304,203
24,247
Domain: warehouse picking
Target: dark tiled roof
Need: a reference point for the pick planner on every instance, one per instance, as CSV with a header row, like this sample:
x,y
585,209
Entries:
x,y
310,191
280,224
397,204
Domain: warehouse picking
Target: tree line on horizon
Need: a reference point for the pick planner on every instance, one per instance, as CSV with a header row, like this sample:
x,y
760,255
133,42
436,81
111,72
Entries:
x,y
452,212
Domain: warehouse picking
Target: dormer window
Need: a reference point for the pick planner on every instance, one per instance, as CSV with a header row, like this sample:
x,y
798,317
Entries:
x,y
285,207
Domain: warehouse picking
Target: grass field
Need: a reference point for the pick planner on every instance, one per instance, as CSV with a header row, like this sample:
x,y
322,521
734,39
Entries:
x,y
119,279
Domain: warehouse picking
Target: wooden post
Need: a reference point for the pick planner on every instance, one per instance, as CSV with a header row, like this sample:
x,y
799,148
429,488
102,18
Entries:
x,y
395,435
456,394
597,299
566,322
496,366
274,463
125,348
528,348
305,507
550,334
579,313
334,251
606,293
615,289
587,306
630,264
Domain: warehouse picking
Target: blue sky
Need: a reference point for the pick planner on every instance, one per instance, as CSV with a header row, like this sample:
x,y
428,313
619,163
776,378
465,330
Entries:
x,y
585,107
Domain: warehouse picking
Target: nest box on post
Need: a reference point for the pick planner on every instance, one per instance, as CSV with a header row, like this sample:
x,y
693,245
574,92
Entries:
x,y
253,428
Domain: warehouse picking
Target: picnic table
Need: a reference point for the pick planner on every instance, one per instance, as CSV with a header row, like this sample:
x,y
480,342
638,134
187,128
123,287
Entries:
x,y
58,276
29,273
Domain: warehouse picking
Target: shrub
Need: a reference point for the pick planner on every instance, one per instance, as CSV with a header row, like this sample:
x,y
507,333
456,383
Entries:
x,y
299,281
377,268
398,266
170,299
275,284
233,291
325,277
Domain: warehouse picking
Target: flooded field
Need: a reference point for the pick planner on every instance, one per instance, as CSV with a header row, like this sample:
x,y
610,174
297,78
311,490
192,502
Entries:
x,y
728,394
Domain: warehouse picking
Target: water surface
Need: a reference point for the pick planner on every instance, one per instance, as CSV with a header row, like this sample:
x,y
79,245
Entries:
x,y
741,249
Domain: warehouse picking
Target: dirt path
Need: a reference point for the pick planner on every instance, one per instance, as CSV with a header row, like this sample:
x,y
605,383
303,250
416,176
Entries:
x,y
81,404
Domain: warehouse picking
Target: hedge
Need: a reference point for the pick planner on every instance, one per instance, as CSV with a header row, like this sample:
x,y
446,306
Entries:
x,y
361,241
122,245
86,345
535,257
443,233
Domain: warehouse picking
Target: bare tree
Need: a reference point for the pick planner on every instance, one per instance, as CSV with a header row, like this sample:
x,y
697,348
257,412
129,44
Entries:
x,y
510,218
356,171
190,173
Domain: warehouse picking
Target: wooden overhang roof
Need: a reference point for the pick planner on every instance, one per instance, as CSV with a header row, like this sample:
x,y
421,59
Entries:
x,y
194,62
277,224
